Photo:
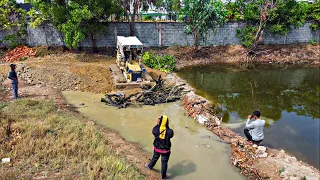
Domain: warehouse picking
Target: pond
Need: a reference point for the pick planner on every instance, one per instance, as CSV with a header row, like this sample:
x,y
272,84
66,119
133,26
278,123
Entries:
x,y
195,154
288,99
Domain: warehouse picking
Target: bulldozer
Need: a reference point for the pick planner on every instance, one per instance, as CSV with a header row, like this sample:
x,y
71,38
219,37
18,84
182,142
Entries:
x,y
129,51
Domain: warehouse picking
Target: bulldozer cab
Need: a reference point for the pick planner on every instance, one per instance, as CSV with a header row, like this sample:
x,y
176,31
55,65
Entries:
x,y
129,50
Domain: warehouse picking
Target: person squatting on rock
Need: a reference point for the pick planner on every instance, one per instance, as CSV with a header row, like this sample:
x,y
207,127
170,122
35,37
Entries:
x,y
254,129
162,145
14,80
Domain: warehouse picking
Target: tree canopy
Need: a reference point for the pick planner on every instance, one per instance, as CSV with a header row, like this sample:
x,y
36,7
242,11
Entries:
x,y
76,19
203,15
12,17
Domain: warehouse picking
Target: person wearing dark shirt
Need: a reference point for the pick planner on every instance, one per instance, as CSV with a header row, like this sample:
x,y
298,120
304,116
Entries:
x,y
162,145
14,80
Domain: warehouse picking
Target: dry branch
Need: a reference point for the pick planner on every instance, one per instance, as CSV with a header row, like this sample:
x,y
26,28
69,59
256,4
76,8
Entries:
x,y
157,94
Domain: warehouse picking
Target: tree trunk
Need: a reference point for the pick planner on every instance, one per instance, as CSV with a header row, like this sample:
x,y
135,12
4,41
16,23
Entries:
x,y
196,40
132,25
94,43
133,15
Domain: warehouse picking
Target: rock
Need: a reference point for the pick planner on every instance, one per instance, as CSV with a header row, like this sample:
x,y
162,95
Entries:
x,y
283,174
293,178
202,119
235,162
261,150
6,160
292,159
282,151
264,155
217,121
81,104
254,145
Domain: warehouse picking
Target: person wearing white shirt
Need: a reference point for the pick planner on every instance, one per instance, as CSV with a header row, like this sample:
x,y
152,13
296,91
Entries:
x,y
254,129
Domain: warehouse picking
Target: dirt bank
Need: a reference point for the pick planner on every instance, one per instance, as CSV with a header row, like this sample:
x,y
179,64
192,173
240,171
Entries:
x,y
282,54
255,162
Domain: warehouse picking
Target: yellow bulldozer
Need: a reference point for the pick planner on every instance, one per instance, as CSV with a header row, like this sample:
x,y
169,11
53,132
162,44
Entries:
x,y
129,51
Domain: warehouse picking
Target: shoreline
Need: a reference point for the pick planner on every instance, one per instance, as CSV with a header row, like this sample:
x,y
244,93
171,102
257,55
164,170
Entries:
x,y
254,162
294,54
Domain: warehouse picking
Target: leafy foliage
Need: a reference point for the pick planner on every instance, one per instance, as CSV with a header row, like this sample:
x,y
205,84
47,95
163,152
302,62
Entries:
x,y
147,18
203,15
76,19
13,18
286,14
234,10
73,33
164,63
276,17
247,35
176,6
314,11
251,12
314,42
314,26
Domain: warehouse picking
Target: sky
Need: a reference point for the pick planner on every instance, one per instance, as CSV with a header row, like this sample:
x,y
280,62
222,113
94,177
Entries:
x,y
19,1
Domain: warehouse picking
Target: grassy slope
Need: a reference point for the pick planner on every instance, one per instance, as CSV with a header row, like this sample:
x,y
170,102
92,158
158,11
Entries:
x,y
47,142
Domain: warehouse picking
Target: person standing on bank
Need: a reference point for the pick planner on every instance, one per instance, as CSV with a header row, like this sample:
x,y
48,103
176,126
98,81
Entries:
x,y
14,80
254,129
162,145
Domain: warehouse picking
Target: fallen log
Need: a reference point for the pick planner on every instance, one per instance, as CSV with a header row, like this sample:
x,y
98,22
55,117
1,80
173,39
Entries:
x,y
155,95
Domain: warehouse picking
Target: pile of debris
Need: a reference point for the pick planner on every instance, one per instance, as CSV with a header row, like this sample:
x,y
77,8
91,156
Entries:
x,y
200,109
19,53
244,155
157,94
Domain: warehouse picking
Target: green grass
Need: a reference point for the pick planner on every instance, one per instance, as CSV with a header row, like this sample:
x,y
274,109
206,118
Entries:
x,y
281,171
53,143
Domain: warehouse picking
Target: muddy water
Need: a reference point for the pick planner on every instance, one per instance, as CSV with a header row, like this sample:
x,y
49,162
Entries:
x,y
196,153
288,99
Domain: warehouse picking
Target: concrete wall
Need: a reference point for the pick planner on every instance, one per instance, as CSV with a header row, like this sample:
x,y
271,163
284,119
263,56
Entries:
x,y
165,34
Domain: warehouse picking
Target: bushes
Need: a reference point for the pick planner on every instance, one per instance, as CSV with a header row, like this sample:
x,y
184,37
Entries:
x,y
42,51
287,14
314,42
247,35
164,63
147,18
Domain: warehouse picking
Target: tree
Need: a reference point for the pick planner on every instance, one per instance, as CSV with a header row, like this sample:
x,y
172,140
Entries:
x,y
12,18
145,6
274,16
203,15
176,6
76,19
158,3
130,8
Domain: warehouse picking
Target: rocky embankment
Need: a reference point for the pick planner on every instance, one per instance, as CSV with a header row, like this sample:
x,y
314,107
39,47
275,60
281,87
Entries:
x,y
255,162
